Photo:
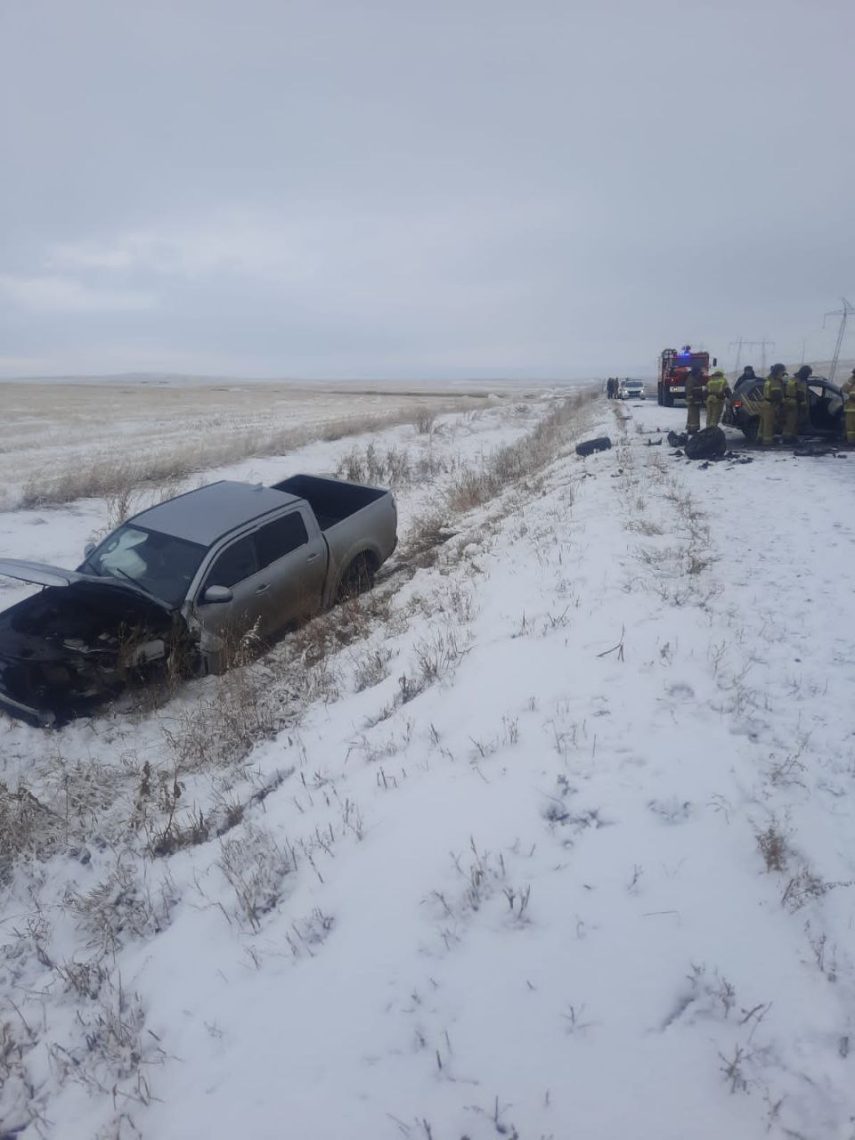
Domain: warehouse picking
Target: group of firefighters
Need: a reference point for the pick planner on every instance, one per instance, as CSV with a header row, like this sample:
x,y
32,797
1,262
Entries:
x,y
783,409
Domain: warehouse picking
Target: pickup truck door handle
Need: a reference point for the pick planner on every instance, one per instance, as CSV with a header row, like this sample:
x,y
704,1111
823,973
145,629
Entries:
x,y
263,588
312,557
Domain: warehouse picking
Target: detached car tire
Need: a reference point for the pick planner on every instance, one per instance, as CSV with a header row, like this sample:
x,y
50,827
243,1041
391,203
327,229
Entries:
x,y
711,443
602,443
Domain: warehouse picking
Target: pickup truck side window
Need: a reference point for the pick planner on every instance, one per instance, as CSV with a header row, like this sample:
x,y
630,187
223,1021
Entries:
x,y
280,537
233,565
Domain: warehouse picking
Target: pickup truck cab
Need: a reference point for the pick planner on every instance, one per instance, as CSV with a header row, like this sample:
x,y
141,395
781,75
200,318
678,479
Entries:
x,y
184,580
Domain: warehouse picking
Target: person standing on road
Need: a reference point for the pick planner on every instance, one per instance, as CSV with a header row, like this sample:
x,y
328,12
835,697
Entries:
x,y
772,408
694,399
848,389
717,392
795,404
747,374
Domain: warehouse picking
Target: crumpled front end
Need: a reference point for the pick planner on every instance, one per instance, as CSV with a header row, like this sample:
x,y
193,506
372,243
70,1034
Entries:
x,y
66,650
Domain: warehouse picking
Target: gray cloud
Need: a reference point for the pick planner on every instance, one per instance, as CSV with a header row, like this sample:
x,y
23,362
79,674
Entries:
x,y
446,189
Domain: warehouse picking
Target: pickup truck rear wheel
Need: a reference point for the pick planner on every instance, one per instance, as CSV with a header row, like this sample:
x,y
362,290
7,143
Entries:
x,y
357,578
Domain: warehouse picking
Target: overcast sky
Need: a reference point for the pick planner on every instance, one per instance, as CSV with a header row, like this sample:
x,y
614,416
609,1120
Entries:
x,y
441,188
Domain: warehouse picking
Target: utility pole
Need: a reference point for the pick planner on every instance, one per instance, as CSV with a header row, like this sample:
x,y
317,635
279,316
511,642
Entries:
x,y
765,341
737,344
761,344
847,311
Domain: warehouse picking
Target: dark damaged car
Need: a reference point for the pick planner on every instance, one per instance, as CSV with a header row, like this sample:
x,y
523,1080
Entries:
x,y
823,414
171,589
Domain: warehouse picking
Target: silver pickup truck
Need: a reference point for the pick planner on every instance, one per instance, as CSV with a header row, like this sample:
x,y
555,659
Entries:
x,y
180,582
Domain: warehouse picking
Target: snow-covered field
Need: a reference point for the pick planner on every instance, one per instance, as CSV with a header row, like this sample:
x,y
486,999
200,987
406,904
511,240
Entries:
x,y
56,436
550,836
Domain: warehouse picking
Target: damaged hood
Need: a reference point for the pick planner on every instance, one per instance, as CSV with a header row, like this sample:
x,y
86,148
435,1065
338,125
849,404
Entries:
x,y
40,574
37,572
77,642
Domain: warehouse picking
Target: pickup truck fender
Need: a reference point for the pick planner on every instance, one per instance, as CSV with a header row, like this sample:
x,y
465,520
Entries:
x,y
362,558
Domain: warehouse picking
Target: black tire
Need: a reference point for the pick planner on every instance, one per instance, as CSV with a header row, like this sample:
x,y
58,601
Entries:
x,y
358,578
659,397
711,443
602,443
668,400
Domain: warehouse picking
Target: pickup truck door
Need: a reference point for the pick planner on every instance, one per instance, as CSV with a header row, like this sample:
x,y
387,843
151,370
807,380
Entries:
x,y
293,556
237,568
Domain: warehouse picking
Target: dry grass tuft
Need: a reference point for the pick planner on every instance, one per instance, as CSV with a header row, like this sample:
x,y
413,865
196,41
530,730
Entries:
x,y
255,867
774,848
519,460
27,828
221,730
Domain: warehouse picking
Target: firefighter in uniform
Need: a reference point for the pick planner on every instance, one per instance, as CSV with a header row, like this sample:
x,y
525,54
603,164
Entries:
x,y
848,389
772,407
694,399
717,392
795,403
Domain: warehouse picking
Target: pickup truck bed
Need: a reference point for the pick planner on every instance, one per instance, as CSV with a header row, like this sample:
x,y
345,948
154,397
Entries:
x,y
331,500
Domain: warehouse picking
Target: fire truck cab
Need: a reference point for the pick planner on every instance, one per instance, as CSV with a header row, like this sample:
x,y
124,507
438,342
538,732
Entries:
x,y
674,367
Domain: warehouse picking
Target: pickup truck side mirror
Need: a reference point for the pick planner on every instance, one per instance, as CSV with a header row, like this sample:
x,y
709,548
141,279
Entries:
x,y
217,595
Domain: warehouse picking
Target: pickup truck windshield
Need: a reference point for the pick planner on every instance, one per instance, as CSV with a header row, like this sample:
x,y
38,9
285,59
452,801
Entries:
x,y
160,564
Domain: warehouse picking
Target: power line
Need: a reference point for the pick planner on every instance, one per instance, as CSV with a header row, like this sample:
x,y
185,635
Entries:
x,y
846,311
761,344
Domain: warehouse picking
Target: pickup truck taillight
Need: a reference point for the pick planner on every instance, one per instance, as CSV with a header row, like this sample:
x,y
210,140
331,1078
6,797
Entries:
x,y
736,404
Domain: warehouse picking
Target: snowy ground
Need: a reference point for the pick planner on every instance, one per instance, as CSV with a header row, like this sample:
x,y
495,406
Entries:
x,y
556,842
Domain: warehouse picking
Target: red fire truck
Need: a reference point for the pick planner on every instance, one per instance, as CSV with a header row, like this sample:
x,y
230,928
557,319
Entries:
x,y
674,367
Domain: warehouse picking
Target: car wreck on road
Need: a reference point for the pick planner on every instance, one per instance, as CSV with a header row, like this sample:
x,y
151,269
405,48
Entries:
x,y
171,590
822,414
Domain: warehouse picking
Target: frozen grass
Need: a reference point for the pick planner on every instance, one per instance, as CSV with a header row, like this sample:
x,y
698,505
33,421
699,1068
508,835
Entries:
x,y
511,464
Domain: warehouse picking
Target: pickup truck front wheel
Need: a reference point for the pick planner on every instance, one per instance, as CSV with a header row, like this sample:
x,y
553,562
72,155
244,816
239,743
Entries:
x,y
357,578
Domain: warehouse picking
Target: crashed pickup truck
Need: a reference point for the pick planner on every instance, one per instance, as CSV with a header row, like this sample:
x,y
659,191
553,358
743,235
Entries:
x,y
174,586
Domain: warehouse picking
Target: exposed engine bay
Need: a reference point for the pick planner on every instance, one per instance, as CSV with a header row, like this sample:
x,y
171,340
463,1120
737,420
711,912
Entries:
x,y
66,649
